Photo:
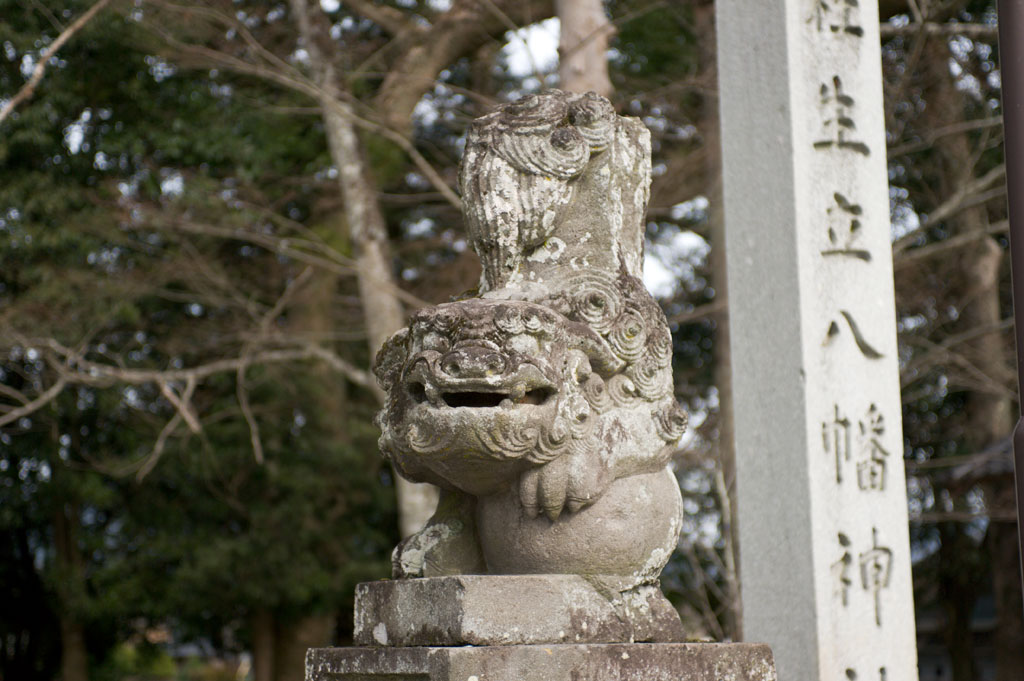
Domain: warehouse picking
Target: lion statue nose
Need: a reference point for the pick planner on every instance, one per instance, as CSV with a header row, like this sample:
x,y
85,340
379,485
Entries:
x,y
472,362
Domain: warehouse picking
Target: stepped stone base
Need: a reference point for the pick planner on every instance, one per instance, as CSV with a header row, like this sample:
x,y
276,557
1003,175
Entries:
x,y
563,662
512,610
527,628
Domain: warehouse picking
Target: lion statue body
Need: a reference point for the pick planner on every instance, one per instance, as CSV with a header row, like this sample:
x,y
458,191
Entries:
x,y
543,408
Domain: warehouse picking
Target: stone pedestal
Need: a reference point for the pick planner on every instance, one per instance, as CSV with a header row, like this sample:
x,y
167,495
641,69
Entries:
x,y
526,628
572,662
544,409
512,610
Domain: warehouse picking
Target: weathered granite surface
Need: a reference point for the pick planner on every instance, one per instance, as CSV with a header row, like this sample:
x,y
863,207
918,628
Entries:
x,y
607,662
543,406
512,610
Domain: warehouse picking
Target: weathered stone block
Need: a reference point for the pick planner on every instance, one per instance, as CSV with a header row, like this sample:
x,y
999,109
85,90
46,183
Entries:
x,y
511,610
575,662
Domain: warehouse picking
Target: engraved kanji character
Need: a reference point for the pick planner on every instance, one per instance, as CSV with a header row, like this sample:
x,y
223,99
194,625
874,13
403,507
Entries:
x,y
837,107
838,16
871,470
865,348
843,228
875,572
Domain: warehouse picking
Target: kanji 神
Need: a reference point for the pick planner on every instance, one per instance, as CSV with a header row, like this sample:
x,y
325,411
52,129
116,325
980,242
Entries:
x,y
876,572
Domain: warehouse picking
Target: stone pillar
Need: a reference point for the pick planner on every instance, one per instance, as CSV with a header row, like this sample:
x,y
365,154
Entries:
x,y
822,500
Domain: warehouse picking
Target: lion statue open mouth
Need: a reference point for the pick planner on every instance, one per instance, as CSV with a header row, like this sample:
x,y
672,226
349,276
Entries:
x,y
487,389
543,408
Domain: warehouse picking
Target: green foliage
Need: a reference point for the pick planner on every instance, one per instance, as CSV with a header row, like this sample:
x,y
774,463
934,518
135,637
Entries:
x,y
138,661
656,45
118,149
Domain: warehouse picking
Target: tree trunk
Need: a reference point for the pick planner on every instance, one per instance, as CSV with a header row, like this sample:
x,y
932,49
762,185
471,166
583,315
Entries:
x,y
367,230
583,46
452,35
313,319
959,593
1004,550
74,661
382,309
989,415
262,624
989,420
294,639
704,25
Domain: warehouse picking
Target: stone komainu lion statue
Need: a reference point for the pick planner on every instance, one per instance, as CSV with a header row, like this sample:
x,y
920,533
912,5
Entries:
x,y
543,408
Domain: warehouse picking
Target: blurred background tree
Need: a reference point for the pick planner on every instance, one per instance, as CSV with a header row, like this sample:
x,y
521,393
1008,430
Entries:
x,y
211,213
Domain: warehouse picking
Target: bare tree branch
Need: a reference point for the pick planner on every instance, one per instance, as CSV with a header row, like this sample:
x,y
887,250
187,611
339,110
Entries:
x,y
151,460
337,264
963,197
29,88
931,28
35,405
939,353
392,20
969,194
908,256
10,392
185,413
50,16
931,137
700,312
240,388
242,393
80,371
458,32
280,72
428,170
182,403
707,611
74,369
992,515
